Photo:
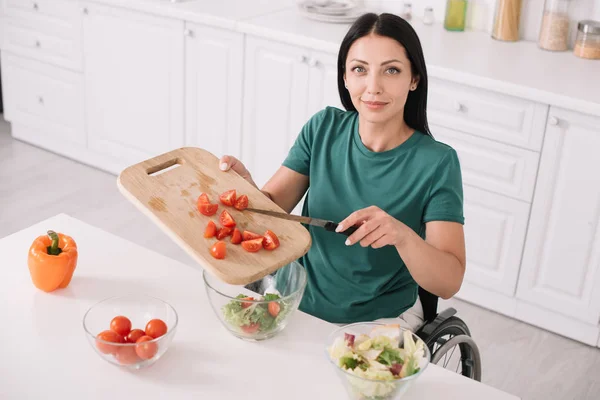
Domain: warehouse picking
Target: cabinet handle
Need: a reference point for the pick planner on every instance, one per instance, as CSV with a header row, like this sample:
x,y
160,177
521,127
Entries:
x,y
38,44
85,11
35,6
312,62
188,33
40,100
301,59
457,106
554,121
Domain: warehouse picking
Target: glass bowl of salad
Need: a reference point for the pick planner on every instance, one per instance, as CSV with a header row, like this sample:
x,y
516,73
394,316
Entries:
x,y
262,309
377,361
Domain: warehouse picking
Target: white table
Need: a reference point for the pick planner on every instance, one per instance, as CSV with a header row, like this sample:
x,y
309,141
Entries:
x,y
44,353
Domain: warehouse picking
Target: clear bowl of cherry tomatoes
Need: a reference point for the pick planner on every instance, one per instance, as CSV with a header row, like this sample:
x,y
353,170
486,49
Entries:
x,y
131,331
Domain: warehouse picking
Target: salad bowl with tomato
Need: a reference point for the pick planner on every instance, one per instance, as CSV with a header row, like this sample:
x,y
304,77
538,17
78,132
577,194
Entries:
x,y
261,309
130,331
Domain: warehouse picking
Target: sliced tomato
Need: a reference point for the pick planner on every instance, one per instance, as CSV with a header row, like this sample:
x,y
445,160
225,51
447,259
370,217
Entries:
x,y
274,308
270,240
224,232
252,328
226,219
247,235
218,250
203,199
245,304
228,197
208,209
236,236
253,245
211,230
241,203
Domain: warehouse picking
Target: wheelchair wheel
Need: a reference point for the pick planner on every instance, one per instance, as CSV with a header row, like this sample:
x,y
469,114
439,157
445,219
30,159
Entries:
x,y
450,335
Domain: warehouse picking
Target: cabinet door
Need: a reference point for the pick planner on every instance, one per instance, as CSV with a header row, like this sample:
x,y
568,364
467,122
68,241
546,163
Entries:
x,y
323,90
275,104
213,89
495,229
561,261
133,83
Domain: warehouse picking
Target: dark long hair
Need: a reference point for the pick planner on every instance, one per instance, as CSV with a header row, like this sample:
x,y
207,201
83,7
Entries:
x,y
392,26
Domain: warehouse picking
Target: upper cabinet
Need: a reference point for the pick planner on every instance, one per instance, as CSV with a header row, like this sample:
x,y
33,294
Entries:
x,y
134,83
561,261
284,86
214,71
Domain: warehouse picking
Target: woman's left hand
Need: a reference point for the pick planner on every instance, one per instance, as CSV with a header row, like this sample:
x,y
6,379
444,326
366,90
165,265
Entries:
x,y
376,228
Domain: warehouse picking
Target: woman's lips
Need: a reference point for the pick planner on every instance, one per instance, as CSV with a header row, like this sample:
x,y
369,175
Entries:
x,y
374,105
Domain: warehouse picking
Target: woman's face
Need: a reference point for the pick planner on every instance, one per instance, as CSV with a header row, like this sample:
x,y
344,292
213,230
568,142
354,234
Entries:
x,y
378,77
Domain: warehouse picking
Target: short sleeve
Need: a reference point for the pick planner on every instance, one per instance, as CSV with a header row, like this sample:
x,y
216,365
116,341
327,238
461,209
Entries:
x,y
445,201
298,158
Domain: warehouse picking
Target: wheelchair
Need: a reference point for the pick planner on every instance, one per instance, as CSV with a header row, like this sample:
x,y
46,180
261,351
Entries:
x,y
443,333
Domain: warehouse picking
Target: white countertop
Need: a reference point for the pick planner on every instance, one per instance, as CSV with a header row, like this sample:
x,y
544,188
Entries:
x,y
45,350
521,68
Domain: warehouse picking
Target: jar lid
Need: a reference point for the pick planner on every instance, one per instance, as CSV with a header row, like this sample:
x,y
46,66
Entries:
x,y
589,26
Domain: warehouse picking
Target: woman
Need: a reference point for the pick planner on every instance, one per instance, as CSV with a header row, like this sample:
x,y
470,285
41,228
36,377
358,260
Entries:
x,y
375,165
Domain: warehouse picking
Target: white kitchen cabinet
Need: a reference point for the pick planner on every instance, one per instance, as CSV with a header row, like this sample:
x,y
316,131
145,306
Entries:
x,y
284,86
495,228
561,262
134,83
275,104
214,88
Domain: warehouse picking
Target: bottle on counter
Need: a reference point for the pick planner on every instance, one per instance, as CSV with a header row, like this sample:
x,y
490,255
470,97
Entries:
x,y
506,20
587,43
428,18
554,32
407,11
456,15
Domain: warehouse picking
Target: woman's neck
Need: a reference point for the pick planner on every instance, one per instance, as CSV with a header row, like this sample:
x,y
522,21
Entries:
x,y
383,136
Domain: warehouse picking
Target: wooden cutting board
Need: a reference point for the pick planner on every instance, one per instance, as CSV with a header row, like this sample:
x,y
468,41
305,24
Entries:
x,y
166,188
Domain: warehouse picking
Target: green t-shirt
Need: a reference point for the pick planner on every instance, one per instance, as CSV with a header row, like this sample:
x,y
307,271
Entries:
x,y
416,182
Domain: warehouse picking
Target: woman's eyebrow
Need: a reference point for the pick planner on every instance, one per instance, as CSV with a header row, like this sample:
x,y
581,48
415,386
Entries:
x,y
383,63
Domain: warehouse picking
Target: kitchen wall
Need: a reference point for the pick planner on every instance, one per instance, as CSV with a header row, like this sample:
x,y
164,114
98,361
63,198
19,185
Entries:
x,y
480,13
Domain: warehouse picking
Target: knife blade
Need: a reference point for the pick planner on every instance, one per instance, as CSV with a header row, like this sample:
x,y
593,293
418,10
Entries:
x,y
328,225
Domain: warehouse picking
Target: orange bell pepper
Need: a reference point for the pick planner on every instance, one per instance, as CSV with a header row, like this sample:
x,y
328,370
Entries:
x,y
52,260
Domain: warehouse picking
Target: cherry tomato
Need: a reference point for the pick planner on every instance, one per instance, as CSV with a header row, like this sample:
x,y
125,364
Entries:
x,y
253,245
156,328
236,237
108,336
120,325
126,355
134,335
274,308
203,199
252,328
241,203
228,197
208,209
270,240
211,230
226,219
146,350
247,235
245,304
218,251
224,232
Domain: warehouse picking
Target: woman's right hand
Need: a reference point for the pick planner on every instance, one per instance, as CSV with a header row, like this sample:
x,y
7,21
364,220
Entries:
x,y
230,162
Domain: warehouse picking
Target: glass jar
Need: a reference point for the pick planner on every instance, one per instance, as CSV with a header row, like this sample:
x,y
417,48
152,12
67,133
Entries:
x,y
456,15
506,20
554,33
428,18
587,43
407,11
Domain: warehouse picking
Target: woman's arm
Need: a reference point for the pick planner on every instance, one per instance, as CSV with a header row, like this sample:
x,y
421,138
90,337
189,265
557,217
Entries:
x,y
285,188
437,263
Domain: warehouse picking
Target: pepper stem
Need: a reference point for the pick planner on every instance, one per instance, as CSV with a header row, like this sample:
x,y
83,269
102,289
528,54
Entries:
x,y
53,249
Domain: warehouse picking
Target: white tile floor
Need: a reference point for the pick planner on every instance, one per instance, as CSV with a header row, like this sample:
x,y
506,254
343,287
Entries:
x,y
517,358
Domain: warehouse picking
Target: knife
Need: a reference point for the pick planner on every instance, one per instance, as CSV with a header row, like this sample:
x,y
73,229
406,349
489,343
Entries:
x,y
328,225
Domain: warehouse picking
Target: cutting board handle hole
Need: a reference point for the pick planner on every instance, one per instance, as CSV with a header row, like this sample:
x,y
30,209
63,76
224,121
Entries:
x,y
164,167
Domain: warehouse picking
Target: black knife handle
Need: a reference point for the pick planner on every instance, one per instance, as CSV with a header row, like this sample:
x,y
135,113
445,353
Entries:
x,y
331,226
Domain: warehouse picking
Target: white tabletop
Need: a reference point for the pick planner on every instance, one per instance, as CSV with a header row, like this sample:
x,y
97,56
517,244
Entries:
x,y
43,349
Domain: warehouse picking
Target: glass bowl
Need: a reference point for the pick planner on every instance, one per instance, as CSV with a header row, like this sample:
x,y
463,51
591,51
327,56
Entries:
x,y
259,310
122,349
385,378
